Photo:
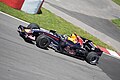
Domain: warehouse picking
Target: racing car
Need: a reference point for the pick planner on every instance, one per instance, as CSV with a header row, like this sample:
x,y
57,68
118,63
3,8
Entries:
x,y
61,43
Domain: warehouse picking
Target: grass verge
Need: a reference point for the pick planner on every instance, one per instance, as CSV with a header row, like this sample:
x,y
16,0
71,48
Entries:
x,y
49,21
117,1
116,21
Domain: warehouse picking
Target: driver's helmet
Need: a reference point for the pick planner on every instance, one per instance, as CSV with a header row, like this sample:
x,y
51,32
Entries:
x,y
73,38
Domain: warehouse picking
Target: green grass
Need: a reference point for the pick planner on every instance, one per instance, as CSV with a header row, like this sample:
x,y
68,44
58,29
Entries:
x,y
49,21
117,1
116,22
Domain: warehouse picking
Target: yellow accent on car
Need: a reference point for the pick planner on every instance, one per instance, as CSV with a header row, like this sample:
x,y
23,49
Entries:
x,y
27,30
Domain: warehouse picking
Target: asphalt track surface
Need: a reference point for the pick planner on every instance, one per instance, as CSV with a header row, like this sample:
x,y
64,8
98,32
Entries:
x,y
96,14
20,60
105,9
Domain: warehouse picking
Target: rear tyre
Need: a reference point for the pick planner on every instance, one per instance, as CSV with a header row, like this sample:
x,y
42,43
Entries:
x,y
92,58
42,41
33,26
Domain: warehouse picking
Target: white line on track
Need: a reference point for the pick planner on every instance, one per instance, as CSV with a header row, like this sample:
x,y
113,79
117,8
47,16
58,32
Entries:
x,y
14,17
57,0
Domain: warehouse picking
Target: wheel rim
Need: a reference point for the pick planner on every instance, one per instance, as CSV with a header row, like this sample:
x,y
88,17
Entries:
x,y
94,60
43,42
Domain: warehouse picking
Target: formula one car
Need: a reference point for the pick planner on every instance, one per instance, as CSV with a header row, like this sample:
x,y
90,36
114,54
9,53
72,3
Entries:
x,y
61,43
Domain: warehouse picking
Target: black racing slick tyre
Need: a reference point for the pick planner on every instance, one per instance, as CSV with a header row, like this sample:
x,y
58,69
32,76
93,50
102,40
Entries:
x,y
92,58
33,26
42,41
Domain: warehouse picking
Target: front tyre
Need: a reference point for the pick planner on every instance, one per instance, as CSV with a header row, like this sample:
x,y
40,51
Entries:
x,y
92,58
33,26
42,41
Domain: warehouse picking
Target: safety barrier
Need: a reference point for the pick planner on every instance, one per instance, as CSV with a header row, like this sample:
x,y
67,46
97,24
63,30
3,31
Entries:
x,y
31,6
28,6
17,4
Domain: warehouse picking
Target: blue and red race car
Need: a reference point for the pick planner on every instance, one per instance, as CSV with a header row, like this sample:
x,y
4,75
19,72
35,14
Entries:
x,y
73,45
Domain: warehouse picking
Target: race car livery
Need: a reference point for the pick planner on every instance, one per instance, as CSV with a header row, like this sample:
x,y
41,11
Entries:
x,y
73,45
